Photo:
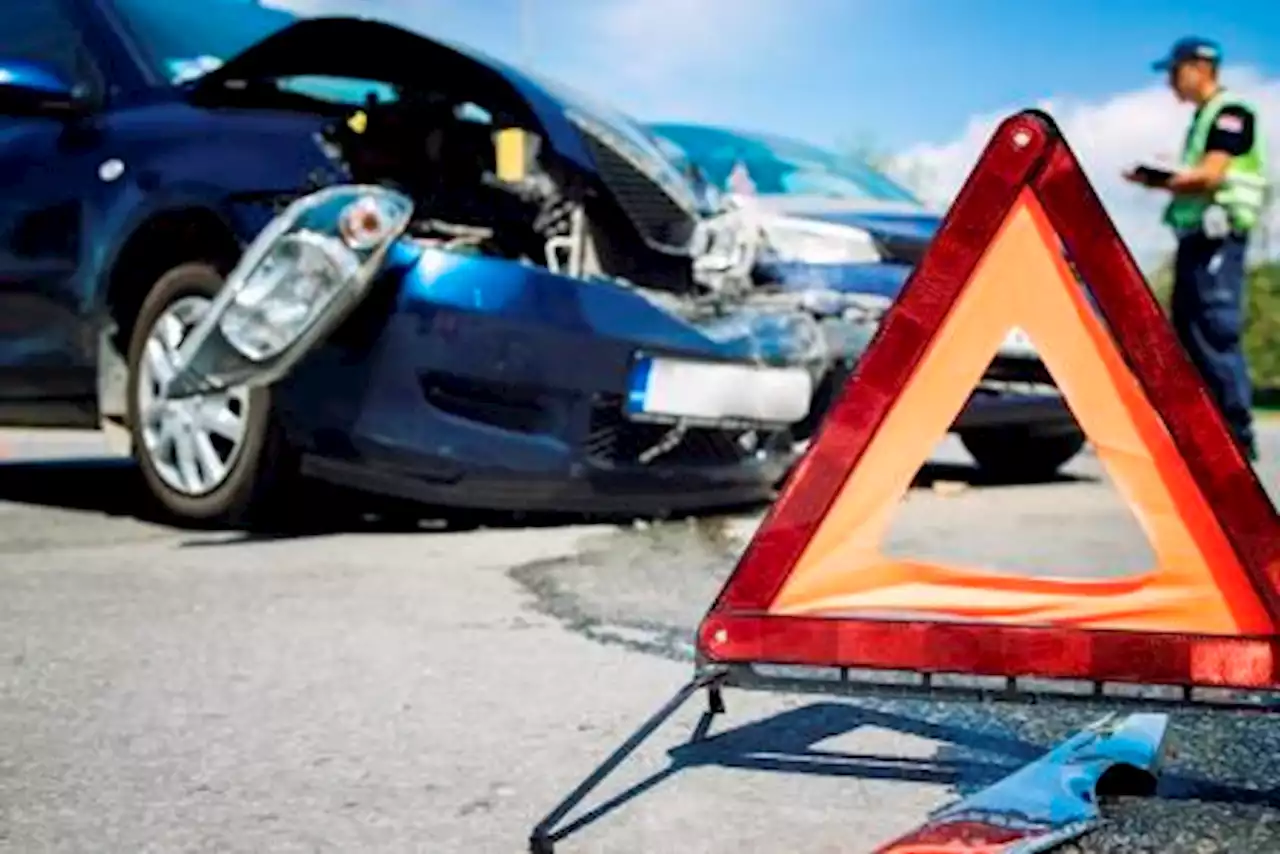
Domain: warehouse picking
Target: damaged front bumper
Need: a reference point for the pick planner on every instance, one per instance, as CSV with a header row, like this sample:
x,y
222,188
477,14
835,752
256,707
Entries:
x,y
315,262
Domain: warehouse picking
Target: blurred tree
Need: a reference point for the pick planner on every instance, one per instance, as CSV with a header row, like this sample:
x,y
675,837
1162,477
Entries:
x,y
1262,317
1262,330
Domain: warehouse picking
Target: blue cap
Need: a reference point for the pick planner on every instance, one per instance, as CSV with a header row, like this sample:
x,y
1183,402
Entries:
x,y
1190,48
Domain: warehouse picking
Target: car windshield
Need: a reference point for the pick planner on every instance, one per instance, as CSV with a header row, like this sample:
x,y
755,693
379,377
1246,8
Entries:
x,y
777,166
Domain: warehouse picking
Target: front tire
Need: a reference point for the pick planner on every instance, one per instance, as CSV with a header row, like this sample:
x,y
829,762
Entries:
x,y
209,459
1019,454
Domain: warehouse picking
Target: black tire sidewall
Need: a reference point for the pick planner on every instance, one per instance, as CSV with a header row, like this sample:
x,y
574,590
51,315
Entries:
x,y
232,500
1016,452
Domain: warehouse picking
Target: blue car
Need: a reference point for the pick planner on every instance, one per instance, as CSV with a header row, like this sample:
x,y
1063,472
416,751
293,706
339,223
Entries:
x,y
835,224
266,248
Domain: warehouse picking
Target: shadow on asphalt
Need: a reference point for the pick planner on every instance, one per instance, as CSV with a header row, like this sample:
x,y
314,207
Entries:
x,y
108,485
113,487
934,473
791,743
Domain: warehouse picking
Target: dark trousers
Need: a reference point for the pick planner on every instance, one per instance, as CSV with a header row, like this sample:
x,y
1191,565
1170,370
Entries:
x,y
1208,314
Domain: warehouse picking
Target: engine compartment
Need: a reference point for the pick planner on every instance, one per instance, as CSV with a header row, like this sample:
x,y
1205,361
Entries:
x,y
482,179
445,156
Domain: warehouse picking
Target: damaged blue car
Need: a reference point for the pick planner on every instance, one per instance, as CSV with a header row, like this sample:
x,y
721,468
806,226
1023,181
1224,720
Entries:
x,y
267,248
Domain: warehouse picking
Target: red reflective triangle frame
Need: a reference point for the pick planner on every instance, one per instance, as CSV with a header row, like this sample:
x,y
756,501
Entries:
x,y
1026,153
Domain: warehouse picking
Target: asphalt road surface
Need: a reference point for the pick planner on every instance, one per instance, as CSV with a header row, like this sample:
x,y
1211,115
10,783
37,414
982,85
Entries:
x,y
420,689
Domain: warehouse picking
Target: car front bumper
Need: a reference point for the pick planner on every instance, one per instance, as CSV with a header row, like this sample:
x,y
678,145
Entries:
x,y
515,394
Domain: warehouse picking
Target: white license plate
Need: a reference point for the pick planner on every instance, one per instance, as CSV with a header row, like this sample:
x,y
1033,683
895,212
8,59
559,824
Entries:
x,y
1017,343
711,391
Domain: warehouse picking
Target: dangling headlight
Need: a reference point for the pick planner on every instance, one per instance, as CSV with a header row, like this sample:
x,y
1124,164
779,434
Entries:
x,y
298,279
300,275
326,252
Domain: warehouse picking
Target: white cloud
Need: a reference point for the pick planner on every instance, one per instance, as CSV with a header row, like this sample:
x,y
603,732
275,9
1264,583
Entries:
x,y
1108,136
674,59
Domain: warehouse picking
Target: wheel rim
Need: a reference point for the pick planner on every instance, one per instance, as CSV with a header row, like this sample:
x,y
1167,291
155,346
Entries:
x,y
193,443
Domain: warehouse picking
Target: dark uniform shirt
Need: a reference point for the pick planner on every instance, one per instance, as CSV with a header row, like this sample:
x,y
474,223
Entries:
x,y
1232,131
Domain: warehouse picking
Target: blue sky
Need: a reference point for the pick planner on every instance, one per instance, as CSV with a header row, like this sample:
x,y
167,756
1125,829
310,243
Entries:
x,y
978,56
901,72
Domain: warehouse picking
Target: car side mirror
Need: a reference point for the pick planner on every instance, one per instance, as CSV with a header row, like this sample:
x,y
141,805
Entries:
x,y
34,89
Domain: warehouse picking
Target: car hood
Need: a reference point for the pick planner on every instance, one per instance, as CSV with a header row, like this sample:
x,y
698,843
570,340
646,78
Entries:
x,y
345,46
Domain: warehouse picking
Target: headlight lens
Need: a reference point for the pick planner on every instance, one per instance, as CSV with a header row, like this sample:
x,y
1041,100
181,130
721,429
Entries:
x,y
301,274
322,253
795,240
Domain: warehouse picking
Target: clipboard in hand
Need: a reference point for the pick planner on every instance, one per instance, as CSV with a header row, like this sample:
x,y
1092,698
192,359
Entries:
x,y
1153,176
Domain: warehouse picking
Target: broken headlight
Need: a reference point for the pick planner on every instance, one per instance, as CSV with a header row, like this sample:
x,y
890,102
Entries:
x,y
301,276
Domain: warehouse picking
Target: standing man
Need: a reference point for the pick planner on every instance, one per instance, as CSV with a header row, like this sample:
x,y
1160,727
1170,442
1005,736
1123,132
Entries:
x,y
1218,194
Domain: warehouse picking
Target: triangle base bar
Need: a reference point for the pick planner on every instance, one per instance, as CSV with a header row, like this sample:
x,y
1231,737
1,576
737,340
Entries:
x,y
1051,652
961,687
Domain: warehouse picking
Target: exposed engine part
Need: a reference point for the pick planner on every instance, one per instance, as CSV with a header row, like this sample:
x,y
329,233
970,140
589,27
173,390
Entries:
x,y
425,146
556,217
451,235
565,253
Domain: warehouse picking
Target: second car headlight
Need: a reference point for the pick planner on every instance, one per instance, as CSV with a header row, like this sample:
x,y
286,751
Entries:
x,y
811,242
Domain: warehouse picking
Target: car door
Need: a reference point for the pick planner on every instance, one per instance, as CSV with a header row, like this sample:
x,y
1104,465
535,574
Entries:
x,y
47,166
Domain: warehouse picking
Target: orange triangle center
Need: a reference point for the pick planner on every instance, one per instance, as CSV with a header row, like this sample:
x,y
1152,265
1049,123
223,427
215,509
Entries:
x,y
1198,584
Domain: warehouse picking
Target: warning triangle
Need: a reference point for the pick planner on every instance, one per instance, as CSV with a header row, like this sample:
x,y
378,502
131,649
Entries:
x,y
1025,234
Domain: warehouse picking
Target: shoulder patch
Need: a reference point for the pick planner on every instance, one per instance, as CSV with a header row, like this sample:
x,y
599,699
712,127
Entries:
x,y
1229,122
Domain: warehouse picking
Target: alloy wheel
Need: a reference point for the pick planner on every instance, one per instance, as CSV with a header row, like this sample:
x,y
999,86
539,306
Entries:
x,y
192,443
